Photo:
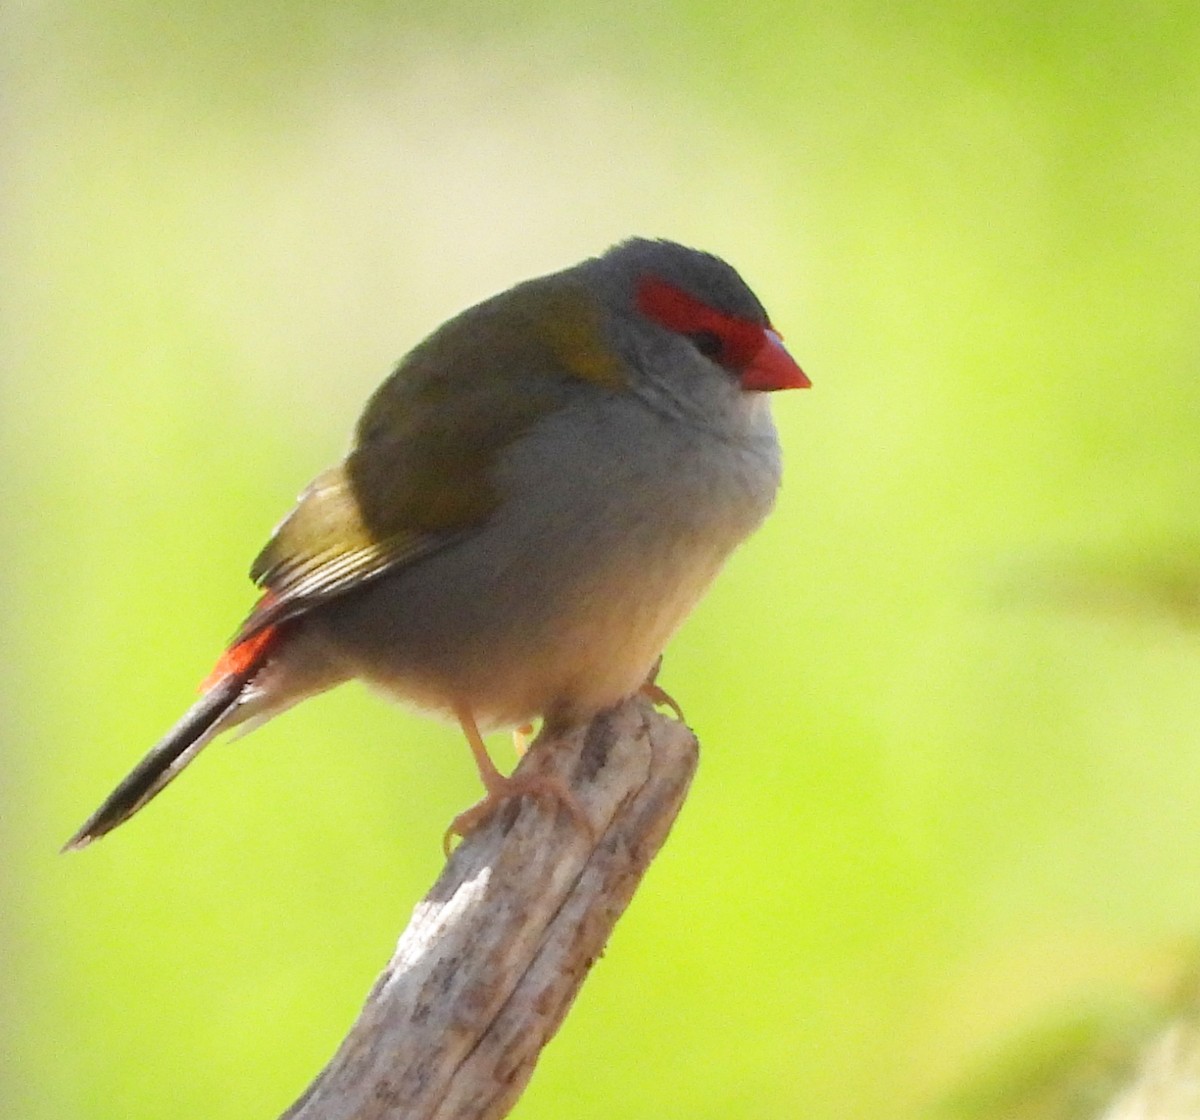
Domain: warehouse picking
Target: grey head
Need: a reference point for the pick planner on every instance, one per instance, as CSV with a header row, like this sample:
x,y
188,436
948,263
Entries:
x,y
682,319
620,271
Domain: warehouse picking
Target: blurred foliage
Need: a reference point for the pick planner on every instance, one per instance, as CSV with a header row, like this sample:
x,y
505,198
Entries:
x,y
939,804
1067,1071
1080,1066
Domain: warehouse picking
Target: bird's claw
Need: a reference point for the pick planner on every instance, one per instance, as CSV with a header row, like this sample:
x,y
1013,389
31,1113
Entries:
x,y
657,695
536,785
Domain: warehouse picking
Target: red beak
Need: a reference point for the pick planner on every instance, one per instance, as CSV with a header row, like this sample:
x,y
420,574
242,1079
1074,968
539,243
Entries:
x,y
773,368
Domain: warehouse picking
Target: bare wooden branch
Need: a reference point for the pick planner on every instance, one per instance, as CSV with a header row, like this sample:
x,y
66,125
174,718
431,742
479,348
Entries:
x,y
497,950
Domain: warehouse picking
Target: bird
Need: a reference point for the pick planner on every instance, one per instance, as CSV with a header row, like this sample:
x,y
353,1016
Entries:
x,y
532,503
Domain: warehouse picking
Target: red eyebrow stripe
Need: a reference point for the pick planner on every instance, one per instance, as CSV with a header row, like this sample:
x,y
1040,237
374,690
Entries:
x,y
674,309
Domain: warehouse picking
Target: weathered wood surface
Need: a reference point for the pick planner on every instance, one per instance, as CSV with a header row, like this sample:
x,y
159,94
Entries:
x,y
497,950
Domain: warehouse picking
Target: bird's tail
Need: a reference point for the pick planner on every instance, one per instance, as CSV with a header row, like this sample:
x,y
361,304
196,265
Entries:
x,y
167,758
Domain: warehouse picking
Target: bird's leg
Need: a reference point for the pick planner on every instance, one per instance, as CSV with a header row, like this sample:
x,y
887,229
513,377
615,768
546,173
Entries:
x,y
521,738
500,788
656,694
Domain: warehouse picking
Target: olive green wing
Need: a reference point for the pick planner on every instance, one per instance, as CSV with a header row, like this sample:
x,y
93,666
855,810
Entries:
x,y
420,472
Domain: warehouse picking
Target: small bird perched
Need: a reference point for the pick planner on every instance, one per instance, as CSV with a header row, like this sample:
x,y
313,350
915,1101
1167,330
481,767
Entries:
x,y
533,502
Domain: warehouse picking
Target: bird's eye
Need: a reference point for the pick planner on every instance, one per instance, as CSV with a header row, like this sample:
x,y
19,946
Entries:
x,y
708,343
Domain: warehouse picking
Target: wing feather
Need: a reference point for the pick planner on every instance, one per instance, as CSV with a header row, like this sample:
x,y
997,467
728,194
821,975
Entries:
x,y
421,470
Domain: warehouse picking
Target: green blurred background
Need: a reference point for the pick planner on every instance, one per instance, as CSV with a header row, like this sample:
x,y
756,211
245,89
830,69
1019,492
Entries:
x,y
950,786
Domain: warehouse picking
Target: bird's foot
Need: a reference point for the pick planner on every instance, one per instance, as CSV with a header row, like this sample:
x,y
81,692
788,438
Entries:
x,y
501,789
658,695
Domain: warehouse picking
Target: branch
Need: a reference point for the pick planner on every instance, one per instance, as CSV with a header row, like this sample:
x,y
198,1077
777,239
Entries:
x,y
497,950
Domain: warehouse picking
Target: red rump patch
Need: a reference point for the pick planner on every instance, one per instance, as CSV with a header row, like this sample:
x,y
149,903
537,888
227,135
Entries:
x,y
740,339
240,659
244,656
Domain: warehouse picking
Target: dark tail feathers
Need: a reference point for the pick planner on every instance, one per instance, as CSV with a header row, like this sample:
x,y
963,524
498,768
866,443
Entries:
x,y
166,759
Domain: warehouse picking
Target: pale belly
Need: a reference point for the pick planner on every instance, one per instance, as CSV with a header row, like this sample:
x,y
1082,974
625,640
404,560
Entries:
x,y
560,605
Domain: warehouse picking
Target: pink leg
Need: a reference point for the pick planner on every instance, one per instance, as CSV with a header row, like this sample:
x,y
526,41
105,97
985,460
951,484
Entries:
x,y
500,789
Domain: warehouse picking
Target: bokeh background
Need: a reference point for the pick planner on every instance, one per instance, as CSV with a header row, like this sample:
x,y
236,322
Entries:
x,y
942,850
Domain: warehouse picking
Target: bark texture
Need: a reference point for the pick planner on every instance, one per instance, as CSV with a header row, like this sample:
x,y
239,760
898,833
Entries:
x,y
495,953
